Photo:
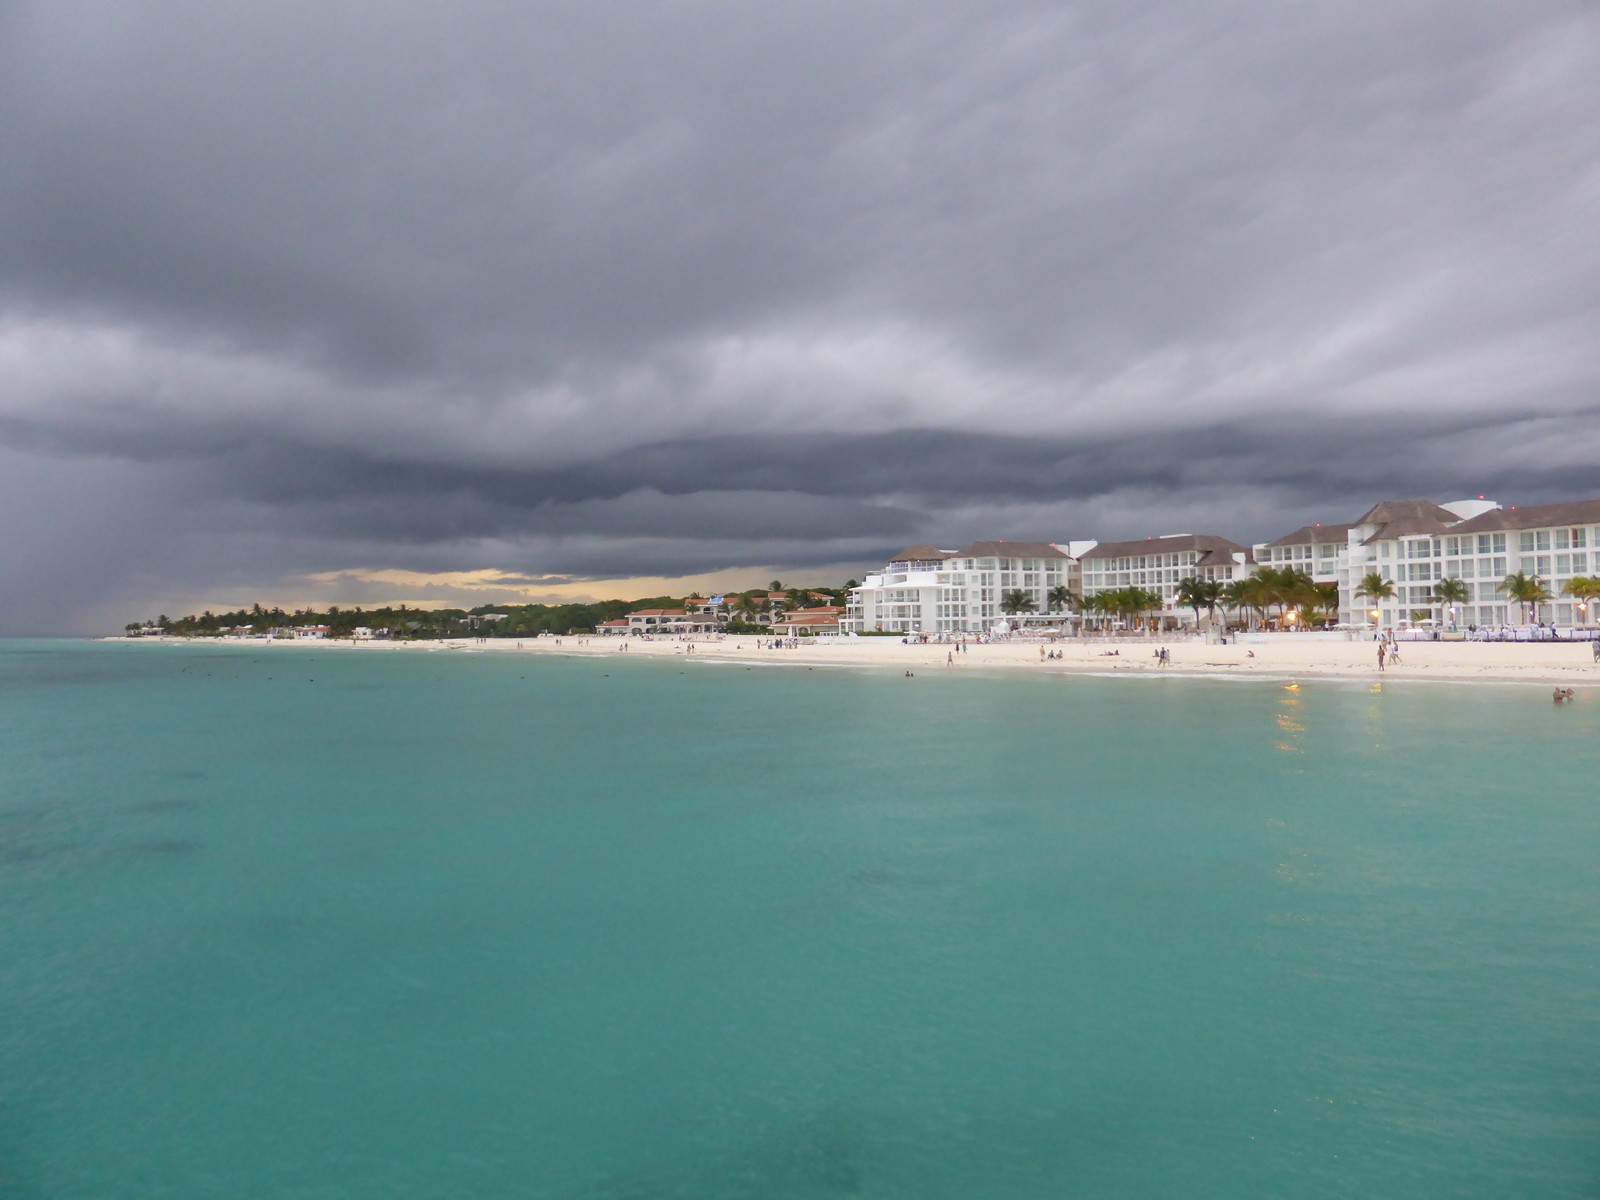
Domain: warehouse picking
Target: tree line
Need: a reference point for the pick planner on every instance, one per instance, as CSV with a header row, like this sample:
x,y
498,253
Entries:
x,y
1285,588
1524,590
749,608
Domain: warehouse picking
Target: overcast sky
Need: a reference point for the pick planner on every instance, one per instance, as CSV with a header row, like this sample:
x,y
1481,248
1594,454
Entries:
x,y
359,302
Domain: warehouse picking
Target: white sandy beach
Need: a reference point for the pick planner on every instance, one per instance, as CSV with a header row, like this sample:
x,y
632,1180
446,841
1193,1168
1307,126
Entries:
x,y
1269,655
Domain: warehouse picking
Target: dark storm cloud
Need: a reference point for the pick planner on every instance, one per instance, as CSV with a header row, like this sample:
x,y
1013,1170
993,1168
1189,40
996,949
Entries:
x,y
587,291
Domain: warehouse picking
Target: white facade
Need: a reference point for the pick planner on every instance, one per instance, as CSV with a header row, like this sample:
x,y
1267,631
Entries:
x,y
1554,543
1413,544
1320,551
926,590
1160,564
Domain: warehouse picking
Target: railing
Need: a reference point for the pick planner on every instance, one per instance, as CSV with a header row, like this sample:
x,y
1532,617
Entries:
x,y
1534,633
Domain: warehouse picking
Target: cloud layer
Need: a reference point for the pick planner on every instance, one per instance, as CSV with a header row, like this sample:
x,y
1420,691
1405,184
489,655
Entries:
x,y
297,294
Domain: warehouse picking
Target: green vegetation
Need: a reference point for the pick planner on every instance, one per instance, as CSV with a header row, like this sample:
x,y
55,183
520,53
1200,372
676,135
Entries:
x,y
749,611
1374,588
1124,603
1198,594
1448,593
1525,590
1017,601
1061,596
1586,589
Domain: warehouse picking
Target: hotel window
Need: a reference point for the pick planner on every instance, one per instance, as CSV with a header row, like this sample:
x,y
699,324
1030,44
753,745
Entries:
x,y
1542,565
1579,541
1563,564
1499,570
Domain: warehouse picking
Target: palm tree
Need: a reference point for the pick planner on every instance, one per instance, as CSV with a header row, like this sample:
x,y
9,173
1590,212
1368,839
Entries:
x,y
1375,588
1291,588
1251,592
1238,594
1099,605
1271,585
1524,590
1585,589
1141,601
1017,601
1327,600
1448,593
1061,596
1197,593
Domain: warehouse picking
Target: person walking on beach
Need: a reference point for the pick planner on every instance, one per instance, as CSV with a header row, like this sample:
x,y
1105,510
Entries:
x,y
1383,649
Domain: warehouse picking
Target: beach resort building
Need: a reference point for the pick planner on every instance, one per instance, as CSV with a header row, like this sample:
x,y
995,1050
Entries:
x,y
1403,541
1413,545
923,589
1159,564
1320,551
668,621
1554,542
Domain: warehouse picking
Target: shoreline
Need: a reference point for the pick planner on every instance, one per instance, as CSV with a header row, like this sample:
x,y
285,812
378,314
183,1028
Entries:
x,y
1270,657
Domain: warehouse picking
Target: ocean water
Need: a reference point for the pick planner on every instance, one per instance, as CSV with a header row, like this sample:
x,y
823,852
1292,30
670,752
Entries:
x,y
327,924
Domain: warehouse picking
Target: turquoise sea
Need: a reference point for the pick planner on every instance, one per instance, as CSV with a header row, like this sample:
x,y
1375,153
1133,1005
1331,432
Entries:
x,y
335,924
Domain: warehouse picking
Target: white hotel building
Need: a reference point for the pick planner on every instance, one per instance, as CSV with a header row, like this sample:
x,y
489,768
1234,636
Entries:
x,y
927,590
1160,564
1479,543
1413,544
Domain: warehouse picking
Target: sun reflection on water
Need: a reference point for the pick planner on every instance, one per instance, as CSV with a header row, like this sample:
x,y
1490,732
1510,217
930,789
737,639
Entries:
x,y
1289,719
